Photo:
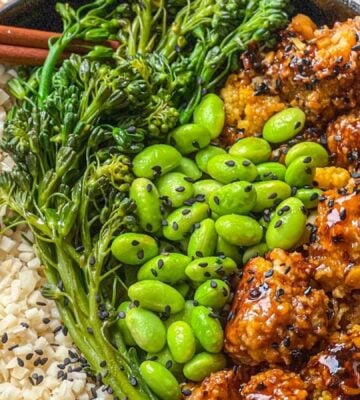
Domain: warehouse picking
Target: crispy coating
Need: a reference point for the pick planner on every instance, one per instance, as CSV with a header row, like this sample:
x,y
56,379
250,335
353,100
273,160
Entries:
x,y
317,70
336,250
276,316
334,372
275,384
343,138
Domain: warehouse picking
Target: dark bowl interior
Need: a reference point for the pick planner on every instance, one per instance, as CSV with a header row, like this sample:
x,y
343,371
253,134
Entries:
x,y
41,14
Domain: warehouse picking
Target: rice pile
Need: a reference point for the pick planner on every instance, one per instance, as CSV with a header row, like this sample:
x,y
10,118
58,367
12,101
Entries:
x,y
37,357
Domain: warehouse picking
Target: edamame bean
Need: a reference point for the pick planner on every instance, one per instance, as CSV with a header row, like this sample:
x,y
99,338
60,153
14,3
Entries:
x,y
165,358
317,152
202,269
255,251
147,329
271,171
207,329
202,365
160,380
284,125
184,315
210,114
239,230
181,221
156,296
300,172
309,197
203,156
122,310
288,224
255,149
175,188
146,198
156,160
134,248
213,293
234,198
227,249
189,138
183,288
227,168
167,268
189,168
206,187
181,341
203,240
270,193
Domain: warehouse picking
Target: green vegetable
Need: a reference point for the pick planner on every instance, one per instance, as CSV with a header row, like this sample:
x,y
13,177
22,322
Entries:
x,y
226,249
255,149
206,187
288,224
239,230
309,197
156,296
202,269
235,198
74,127
227,168
181,341
121,323
189,138
210,114
213,293
301,172
175,189
202,365
203,156
271,171
284,125
165,358
255,251
134,248
147,329
189,168
317,152
147,200
203,240
161,381
270,193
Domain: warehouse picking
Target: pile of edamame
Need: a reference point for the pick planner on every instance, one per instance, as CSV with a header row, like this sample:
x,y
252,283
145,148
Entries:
x,y
204,211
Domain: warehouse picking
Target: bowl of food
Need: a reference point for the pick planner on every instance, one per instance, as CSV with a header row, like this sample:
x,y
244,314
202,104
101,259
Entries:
x,y
180,202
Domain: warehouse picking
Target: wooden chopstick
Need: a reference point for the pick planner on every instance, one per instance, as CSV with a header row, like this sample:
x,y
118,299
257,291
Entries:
x,y
21,46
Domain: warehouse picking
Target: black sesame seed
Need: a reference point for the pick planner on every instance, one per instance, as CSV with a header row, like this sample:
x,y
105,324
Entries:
x,y
303,210
160,263
307,160
188,179
4,338
199,254
122,315
272,196
175,226
39,352
225,292
180,189
307,291
287,342
287,270
200,198
293,191
207,274
230,163
20,362
314,196
149,187
164,222
168,364
342,214
254,293
309,170
197,226
248,188
195,144
24,325
274,345
246,163
92,260
136,303
135,243
11,348
103,364
154,272
186,211
46,321
250,279
29,356
278,223
269,273
140,254
216,200
90,330
213,284
280,292
167,309
186,392
149,227
79,249
203,264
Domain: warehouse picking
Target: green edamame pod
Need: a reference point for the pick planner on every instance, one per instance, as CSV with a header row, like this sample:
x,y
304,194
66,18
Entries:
x,y
239,230
213,293
308,149
202,365
300,172
203,156
134,248
309,197
147,200
227,249
270,193
255,149
210,114
203,240
160,380
175,188
206,187
207,329
284,125
288,224
147,329
271,171
167,268
255,251
202,269
189,168
227,168
122,310
234,198
156,160
181,341
181,221
156,296
189,138
165,358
